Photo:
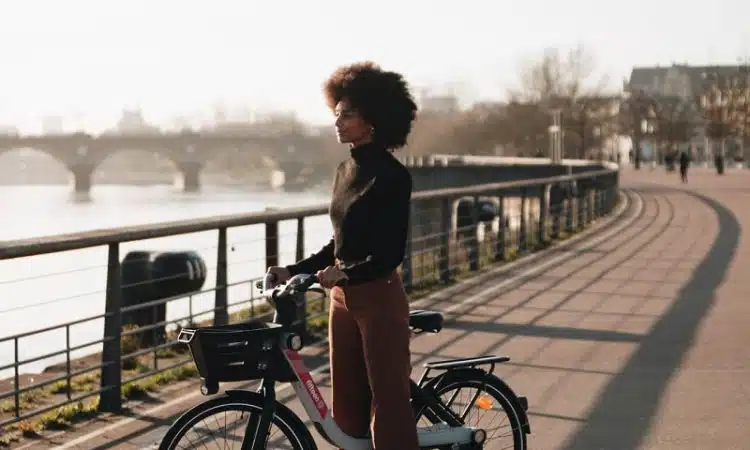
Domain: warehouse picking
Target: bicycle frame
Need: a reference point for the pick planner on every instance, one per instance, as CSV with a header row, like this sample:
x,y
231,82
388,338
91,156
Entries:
x,y
317,410
447,433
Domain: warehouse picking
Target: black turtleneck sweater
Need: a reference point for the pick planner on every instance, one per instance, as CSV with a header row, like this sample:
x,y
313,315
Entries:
x,y
370,216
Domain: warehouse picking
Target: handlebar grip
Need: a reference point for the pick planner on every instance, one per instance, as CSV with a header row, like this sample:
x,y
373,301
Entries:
x,y
271,277
309,282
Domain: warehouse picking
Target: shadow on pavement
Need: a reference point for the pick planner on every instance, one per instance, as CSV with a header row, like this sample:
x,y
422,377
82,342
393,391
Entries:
x,y
623,414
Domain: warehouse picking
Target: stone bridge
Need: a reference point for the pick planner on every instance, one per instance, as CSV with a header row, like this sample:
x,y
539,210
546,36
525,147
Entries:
x,y
294,154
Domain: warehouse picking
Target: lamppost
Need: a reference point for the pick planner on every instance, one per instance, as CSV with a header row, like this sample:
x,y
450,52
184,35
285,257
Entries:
x,y
555,133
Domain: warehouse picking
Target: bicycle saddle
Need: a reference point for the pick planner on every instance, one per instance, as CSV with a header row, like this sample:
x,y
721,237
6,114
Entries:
x,y
422,320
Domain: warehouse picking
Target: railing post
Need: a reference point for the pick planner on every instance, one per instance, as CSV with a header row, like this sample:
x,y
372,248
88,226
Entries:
x,y
612,189
581,209
301,301
300,251
607,196
501,230
522,232
221,313
68,387
446,222
543,215
474,242
16,380
570,209
111,382
272,244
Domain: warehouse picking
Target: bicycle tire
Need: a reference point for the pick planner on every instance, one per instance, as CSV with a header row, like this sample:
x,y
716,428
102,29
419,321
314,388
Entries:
x,y
284,419
490,384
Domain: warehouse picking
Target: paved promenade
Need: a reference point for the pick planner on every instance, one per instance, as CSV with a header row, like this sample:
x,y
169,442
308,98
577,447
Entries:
x,y
634,336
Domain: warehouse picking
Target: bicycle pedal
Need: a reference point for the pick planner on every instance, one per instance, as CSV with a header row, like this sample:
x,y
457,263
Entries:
x,y
524,403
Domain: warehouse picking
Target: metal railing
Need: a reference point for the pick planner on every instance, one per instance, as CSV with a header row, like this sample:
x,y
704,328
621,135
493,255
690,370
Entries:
x,y
445,240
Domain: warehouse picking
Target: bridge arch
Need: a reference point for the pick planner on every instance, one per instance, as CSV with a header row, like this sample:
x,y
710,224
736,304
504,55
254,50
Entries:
x,y
33,165
191,164
247,164
135,166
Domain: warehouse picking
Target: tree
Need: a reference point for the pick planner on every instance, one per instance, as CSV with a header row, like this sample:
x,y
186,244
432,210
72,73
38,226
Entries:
x,y
638,117
725,103
589,121
434,133
555,76
524,129
557,81
673,123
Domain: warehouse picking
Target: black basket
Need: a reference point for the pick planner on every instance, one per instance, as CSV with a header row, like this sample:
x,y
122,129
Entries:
x,y
238,352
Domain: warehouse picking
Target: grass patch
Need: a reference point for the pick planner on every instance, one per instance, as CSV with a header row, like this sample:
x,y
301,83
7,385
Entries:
x,y
65,416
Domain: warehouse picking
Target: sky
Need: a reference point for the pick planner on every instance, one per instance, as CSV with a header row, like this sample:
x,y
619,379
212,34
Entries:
x,y
85,60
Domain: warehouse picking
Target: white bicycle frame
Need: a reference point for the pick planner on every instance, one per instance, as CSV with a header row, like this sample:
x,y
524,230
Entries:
x,y
317,410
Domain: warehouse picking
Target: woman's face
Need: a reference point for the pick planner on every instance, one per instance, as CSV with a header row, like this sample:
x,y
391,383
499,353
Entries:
x,y
350,127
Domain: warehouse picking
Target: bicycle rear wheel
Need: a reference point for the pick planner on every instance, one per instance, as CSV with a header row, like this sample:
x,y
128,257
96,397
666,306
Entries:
x,y
481,400
221,423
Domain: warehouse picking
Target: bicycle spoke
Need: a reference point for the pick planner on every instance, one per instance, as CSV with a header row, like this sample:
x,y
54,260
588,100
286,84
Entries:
x,y
224,430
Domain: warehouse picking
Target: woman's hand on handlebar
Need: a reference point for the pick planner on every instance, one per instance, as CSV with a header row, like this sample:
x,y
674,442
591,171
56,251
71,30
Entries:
x,y
330,276
281,274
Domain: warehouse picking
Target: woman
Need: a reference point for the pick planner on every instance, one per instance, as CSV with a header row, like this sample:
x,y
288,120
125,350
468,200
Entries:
x,y
369,317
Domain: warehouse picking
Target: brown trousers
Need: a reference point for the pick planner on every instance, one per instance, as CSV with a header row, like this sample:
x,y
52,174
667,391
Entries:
x,y
371,363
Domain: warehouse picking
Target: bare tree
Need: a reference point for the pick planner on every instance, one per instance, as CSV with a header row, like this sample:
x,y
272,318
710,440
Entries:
x,y
555,76
434,133
725,102
638,118
562,81
673,124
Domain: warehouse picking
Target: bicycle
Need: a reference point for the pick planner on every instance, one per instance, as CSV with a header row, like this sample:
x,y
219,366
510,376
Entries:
x,y
269,352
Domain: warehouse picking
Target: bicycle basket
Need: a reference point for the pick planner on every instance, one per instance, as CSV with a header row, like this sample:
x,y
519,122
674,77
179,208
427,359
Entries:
x,y
235,352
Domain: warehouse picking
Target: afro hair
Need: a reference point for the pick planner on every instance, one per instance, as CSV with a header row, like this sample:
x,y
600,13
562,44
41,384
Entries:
x,y
381,98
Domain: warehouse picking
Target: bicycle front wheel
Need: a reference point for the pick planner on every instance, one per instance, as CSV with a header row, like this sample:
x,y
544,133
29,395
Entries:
x,y
481,400
221,423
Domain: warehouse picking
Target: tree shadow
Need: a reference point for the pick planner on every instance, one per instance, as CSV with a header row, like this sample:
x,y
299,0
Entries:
x,y
623,414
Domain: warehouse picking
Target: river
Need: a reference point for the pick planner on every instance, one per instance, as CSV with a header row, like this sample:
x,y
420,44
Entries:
x,y
46,290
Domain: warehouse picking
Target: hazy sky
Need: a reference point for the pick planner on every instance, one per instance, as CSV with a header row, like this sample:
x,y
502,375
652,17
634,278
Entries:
x,y
86,59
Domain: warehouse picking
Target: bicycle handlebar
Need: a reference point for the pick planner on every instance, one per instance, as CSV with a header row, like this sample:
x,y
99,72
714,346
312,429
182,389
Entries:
x,y
302,282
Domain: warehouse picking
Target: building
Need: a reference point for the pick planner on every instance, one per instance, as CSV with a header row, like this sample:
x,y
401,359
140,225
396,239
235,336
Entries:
x,y
690,84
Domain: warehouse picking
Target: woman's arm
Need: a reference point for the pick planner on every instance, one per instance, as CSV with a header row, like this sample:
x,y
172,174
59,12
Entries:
x,y
317,261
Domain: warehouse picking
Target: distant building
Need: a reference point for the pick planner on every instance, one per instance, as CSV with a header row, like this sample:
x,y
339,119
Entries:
x,y
132,121
687,83
682,81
